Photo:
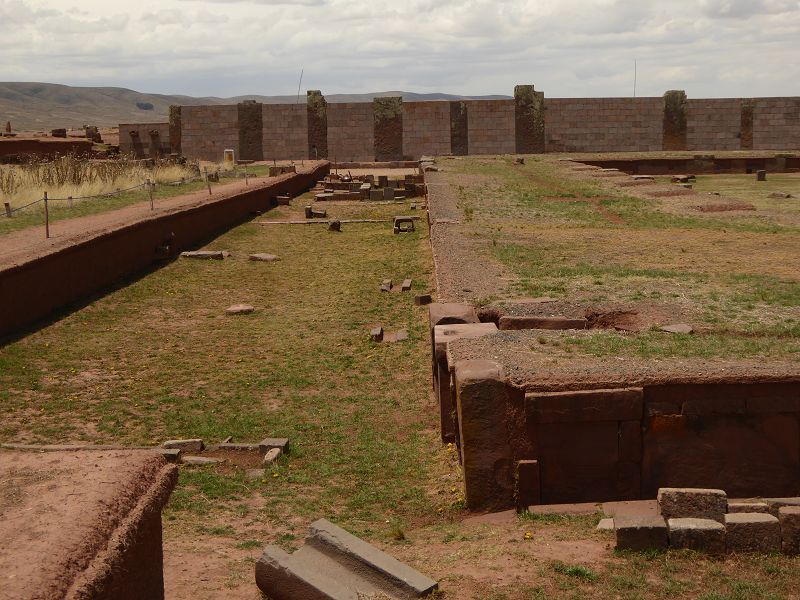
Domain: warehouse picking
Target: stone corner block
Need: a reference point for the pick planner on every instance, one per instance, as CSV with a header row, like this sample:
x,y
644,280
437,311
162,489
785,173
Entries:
x,y
704,535
789,520
639,533
752,532
698,503
192,445
449,313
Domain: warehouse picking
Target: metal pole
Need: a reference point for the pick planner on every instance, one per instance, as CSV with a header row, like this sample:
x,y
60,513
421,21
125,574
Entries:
x,y
208,183
46,218
150,192
8,209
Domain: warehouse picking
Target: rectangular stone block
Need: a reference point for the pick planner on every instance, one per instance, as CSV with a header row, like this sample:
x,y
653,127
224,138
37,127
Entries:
x,y
269,443
703,535
748,507
789,519
696,503
752,532
192,445
585,405
528,484
775,504
639,533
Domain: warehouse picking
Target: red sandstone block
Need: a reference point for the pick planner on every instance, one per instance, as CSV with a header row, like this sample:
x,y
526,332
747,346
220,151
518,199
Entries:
x,y
585,405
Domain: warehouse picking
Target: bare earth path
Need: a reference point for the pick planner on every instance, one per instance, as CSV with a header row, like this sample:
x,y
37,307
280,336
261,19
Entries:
x,y
27,244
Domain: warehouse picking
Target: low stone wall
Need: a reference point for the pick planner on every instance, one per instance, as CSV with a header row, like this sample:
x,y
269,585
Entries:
x,y
702,164
14,150
32,290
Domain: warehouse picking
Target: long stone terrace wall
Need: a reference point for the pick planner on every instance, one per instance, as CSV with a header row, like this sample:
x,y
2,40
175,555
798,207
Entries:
x,y
31,290
390,129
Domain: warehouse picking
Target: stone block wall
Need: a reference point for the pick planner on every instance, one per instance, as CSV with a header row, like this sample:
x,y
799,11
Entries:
x,y
603,124
207,131
285,131
776,123
351,134
150,140
714,124
426,129
490,126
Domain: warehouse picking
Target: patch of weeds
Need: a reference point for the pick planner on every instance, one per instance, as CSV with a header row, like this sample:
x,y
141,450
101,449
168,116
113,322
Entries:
x,y
576,571
249,545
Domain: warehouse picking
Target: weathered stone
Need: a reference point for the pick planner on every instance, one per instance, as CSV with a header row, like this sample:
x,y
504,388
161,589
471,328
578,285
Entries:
x,y
775,504
271,456
268,443
335,225
406,285
606,524
527,480
640,532
643,177
761,175
199,461
205,254
698,503
423,299
748,507
172,455
624,404
228,446
704,535
386,285
752,532
284,200
376,334
677,328
403,224
239,309
789,519
264,257
780,195
192,445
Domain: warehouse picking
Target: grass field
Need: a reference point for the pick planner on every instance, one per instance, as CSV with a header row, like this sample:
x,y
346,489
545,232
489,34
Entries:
x,y
157,358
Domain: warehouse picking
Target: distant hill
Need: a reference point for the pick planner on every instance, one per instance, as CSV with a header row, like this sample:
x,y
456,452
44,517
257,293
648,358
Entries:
x,y
44,106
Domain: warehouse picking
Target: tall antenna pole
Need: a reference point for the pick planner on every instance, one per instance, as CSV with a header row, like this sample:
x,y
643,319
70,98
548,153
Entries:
x,y
634,78
299,83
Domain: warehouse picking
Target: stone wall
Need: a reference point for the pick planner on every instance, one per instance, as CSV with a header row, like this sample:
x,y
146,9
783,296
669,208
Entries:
x,y
145,140
603,124
351,132
490,126
285,131
207,131
426,129
714,124
776,124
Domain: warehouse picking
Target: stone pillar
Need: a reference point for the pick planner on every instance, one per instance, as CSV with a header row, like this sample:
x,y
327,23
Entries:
x,y
459,136
528,120
175,129
674,120
485,450
746,133
388,132
251,130
317,125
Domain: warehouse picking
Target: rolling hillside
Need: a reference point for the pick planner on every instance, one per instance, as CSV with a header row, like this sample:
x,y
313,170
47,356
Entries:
x,y
44,106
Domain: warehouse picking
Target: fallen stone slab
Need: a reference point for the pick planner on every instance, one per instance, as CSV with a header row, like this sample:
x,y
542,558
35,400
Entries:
x,y
703,535
406,285
206,254
789,519
639,533
239,309
269,443
699,503
191,445
780,195
264,257
234,447
752,532
199,461
643,178
333,565
677,328
386,285
376,334
271,456
748,507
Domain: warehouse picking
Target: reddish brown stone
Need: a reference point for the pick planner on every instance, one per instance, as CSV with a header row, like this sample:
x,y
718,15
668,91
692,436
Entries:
x,y
556,323
527,480
585,405
696,503
640,532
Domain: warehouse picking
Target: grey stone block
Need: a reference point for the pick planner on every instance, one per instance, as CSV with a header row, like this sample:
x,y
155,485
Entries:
x,y
192,445
640,532
199,461
698,503
172,455
748,507
705,535
269,443
752,532
775,504
789,519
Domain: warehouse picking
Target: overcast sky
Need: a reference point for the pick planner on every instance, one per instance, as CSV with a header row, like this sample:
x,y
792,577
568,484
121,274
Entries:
x,y
567,48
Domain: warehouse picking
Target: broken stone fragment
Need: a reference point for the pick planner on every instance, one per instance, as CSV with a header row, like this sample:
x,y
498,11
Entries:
x,y
376,334
677,328
206,254
781,195
264,257
239,309
192,445
199,461
386,285
335,225
406,285
271,456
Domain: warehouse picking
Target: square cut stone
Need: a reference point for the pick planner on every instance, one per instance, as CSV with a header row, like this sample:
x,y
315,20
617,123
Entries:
x,y
748,507
692,503
752,532
789,519
640,532
704,535
268,443
193,445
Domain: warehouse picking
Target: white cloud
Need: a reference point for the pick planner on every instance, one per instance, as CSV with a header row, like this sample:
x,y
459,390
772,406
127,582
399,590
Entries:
x,y
570,48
